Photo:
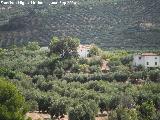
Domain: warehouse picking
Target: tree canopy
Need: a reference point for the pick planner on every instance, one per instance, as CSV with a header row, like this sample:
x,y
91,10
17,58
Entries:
x,y
12,103
65,47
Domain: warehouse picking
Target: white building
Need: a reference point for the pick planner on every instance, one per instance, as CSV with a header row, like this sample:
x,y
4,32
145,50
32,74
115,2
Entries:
x,y
83,50
45,49
147,60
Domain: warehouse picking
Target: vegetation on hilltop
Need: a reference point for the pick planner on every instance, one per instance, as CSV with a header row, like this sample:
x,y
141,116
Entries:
x,y
107,23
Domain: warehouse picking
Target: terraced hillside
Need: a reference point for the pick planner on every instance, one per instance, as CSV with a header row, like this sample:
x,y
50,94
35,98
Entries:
x,y
119,24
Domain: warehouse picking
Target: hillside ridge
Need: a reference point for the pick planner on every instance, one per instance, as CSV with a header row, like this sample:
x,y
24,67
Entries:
x,y
120,24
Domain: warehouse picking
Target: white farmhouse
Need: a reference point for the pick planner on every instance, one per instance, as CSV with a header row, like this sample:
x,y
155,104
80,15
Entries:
x,y
83,50
147,60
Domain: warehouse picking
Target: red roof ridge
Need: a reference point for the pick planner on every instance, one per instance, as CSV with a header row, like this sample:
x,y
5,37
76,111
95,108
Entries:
x,y
149,54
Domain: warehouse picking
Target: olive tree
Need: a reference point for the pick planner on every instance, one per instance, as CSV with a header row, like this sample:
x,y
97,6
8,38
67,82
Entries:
x,y
94,51
147,111
83,111
65,47
121,76
59,107
123,114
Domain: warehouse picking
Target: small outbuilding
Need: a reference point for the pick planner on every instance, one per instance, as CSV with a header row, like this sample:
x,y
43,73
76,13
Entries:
x,y
83,50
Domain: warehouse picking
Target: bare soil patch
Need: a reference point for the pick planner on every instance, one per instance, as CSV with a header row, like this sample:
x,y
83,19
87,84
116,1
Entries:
x,y
42,116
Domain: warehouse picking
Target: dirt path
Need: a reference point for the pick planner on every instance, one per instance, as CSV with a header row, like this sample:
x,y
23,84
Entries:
x,y
41,116
36,116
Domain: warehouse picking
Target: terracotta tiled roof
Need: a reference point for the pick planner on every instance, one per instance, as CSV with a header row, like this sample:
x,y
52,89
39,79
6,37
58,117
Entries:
x,y
84,46
149,54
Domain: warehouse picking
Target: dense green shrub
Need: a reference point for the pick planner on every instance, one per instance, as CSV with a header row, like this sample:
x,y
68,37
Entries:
x,y
37,79
104,104
94,51
33,46
94,69
126,60
83,111
7,73
114,63
154,75
147,111
114,102
140,68
83,61
33,105
123,114
139,75
120,76
44,103
45,86
120,68
59,72
88,77
95,61
59,107
68,64
12,103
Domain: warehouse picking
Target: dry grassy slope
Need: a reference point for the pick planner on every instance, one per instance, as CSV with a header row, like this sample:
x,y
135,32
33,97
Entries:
x,y
123,24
